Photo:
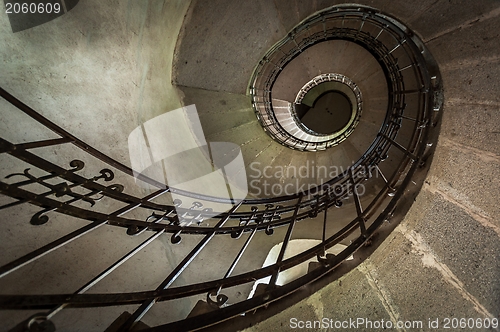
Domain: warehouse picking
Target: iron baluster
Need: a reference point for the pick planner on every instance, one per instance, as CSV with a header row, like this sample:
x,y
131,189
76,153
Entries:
x,y
314,207
325,218
408,66
357,202
38,253
391,190
146,305
275,215
136,230
400,147
44,143
105,273
221,299
287,239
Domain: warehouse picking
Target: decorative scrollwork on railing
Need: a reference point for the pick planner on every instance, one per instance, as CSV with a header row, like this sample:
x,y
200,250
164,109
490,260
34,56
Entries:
x,y
244,221
220,299
63,189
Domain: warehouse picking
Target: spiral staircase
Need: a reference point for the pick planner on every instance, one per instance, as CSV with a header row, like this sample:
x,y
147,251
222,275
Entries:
x,y
383,232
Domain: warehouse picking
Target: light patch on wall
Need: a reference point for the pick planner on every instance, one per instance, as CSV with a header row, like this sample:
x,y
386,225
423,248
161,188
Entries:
x,y
171,150
293,248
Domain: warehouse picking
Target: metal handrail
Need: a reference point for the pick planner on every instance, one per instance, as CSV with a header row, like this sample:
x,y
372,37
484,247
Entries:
x,y
250,215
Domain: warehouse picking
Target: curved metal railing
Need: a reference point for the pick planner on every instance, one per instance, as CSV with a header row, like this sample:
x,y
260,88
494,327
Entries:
x,y
345,23
352,93
66,191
